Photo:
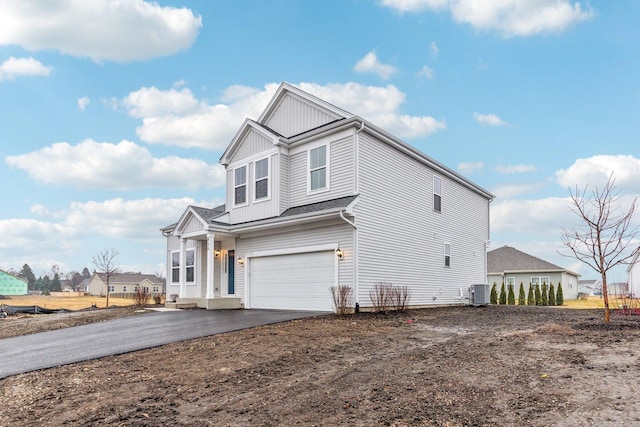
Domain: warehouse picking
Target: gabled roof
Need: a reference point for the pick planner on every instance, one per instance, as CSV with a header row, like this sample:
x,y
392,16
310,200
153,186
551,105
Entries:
x,y
130,278
508,259
247,126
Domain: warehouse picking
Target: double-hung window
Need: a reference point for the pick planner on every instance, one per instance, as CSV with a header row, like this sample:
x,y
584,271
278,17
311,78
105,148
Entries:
x,y
318,168
261,174
240,185
447,255
190,260
437,194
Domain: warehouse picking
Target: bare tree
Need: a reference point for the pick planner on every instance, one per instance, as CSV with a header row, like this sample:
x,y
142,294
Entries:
x,y
606,237
105,263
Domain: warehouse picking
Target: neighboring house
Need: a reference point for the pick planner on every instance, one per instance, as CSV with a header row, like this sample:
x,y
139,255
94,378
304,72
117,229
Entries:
x,y
125,283
318,197
633,275
589,286
511,266
11,284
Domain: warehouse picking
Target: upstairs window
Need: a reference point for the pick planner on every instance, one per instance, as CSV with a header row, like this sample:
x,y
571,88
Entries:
x,y
447,255
437,194
318,168
261,179
240,185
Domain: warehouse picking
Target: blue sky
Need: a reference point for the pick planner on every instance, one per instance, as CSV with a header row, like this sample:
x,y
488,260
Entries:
x,y
113,115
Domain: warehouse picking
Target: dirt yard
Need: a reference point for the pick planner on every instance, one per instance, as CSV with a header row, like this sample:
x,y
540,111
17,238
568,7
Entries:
x,y
463,366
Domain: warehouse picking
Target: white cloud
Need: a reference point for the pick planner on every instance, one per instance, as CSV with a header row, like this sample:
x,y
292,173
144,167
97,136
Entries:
x,y
434,49
125,165
176,117
508,169
540,217
510,18
99,29
506,191
15,67
427,72
370,64
595,171
488,119
470,167
83,103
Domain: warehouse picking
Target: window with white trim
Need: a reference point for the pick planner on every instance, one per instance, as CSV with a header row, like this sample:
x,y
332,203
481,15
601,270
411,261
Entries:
x,y
240,185
447,255
124,288
190,264
261,174
190,258
318,168
511,283
437,193
540,280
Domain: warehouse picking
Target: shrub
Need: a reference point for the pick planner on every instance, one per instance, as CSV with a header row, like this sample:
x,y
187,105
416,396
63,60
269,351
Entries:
x,y
493,297
559,295
503,295
342,299
545,294
538,296
511,296
400,296
157,298
531,298
380,297
522,299
141,297
552,295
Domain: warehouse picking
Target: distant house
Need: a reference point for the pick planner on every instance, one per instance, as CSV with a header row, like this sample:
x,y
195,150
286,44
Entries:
x,y
11,284
633,276
589,286
125,283
511,266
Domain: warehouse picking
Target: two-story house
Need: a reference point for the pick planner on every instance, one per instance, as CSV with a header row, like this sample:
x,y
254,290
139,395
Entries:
x,y
318,197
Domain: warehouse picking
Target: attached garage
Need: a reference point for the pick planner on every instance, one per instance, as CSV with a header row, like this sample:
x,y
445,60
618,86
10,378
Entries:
x,y
300,281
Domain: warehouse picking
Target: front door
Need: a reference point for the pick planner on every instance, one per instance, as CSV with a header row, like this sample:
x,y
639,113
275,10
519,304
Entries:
x,y
231,289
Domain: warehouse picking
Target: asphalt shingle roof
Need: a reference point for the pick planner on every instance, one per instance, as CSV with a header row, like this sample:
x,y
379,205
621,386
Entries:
x,y
131,278
341,202
507,258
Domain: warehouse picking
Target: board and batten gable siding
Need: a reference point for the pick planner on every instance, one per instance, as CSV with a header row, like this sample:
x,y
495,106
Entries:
x,y
340,178
253,143
260,209
334,232
294,116
193,225
401,238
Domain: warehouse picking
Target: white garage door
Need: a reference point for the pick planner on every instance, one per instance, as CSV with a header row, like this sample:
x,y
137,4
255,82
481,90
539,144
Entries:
x,y
296,281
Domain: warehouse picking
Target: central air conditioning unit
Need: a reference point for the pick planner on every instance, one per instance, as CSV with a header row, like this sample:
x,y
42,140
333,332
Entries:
x,y
479,294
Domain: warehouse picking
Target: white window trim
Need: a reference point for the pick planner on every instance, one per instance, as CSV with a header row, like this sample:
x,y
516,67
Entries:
x,y
513,279
327,186
178,267
246,185
195,270
171,267
445,254
436,177
268,178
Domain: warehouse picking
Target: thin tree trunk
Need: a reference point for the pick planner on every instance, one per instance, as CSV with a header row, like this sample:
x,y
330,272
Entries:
x,y
605,295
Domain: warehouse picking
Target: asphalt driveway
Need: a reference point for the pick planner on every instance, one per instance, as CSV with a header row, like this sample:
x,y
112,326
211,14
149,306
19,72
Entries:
x,y
63,346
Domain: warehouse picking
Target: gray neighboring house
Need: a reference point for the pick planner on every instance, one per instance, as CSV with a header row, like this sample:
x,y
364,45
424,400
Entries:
x,y
589,286
511,266
318,197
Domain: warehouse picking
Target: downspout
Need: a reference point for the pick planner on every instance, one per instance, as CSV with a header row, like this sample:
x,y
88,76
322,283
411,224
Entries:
x,y
355,254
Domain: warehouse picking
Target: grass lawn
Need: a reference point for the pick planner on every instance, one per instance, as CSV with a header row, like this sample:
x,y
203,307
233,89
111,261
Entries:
x,y
69,303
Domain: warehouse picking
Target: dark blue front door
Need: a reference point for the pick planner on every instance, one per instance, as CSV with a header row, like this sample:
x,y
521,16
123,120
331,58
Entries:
x,y
231,289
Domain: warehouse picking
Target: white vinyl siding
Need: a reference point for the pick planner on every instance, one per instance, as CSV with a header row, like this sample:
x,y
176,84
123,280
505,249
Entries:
x,y
295,116
412,231
175,267
447,255
254,209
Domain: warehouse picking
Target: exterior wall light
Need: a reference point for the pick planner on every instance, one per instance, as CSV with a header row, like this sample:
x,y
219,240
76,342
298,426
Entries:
x,y
216,253
241,261
339,253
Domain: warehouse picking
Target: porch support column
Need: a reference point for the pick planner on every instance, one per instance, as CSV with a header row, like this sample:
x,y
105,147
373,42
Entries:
x,y
183,268
211,259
